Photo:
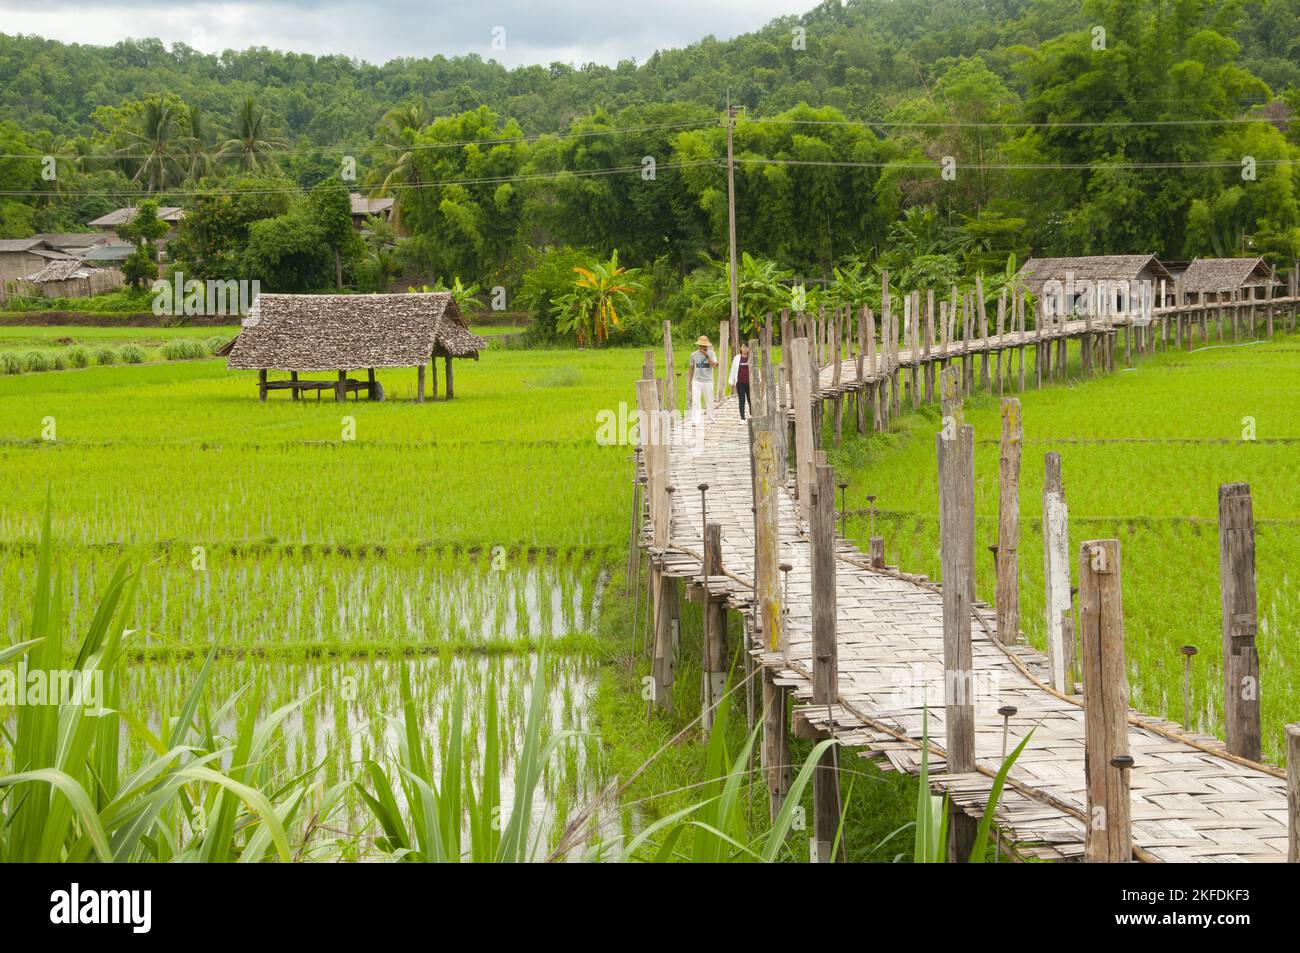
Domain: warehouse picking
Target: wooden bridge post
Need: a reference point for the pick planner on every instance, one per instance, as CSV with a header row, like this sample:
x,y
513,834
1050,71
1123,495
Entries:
x,y
801,383
826,807
670,382
927,344
775,758
1059,622
1019,312
261,385
1040,347
986,382
1293,792
914,346
1105,704
1007,598
1240,658
955,445
714,680
767,542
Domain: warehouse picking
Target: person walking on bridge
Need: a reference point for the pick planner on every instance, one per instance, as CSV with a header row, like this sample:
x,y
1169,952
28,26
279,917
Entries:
x,y
703,361
739,379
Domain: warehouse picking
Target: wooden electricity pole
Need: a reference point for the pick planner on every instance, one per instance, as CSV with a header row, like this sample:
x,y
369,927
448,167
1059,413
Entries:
x,y
731,231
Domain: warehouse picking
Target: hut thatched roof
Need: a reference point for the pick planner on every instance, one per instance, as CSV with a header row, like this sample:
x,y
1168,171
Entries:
x,y
1036,272
1227,274
60,270
349,332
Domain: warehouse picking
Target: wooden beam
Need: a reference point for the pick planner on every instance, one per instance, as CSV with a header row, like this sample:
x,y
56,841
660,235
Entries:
x,y
826,799
1107,837
715,630
341,388
955,445
451,392
1059,621
1007,597
1240,621
776,741
419,384
801,384
261,385
1293,792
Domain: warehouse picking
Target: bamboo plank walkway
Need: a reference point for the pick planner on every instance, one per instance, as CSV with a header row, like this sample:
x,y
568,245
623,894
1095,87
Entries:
x,y
1191,800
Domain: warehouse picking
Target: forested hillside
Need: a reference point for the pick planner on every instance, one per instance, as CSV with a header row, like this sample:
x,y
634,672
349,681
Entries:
x,y
1111,126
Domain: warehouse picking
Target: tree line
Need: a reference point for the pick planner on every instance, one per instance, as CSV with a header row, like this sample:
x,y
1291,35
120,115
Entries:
x,y
932,141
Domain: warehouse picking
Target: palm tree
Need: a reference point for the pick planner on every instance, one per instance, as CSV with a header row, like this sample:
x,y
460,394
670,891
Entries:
x,y
199,134
395,170
253,142
153,142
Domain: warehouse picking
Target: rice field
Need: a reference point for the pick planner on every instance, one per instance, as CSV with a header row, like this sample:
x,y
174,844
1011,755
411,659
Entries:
x,y
1143,453
320,553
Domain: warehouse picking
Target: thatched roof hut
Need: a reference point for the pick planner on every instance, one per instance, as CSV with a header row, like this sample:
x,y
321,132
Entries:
x,y
305,333
1036,272
1214,275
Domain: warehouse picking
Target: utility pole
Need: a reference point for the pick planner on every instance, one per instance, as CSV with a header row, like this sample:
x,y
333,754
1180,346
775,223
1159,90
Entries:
x,y
731,229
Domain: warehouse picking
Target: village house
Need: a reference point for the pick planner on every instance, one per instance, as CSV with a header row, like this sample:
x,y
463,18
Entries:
x,y
20,257
110,223
364,208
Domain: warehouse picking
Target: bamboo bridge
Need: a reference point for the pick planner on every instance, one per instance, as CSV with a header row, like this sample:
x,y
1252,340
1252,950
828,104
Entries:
x,y
845,647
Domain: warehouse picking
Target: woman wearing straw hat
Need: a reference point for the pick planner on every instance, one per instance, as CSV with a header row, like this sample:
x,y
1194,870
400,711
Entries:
x,y
702,362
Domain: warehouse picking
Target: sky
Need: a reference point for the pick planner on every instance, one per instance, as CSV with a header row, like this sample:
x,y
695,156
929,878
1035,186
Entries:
x,y
513,32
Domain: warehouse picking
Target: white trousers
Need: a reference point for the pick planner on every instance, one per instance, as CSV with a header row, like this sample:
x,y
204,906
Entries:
x,y
701,393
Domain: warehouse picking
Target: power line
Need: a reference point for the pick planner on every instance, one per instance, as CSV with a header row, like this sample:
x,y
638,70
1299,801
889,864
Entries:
x,y
1099,166
1066,124
415,186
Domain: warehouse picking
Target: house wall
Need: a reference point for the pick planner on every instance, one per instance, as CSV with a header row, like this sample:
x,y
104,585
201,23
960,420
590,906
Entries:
x,y
19,264
97,282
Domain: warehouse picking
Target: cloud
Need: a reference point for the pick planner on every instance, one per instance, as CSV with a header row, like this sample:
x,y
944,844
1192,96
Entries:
x,y
569,31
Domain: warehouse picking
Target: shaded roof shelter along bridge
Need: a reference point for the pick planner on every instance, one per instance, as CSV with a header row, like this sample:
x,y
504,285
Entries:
x,y
1250,278
342,333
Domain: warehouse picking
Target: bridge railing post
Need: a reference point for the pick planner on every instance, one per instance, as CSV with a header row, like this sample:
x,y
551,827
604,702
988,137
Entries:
x,y
1007,597
826,799
714,676
955,446
1240,621
1293,792
1108,838
1059,621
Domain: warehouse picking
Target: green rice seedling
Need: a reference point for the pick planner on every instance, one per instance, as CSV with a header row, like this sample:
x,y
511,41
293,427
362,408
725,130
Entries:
x,y
105,356
66,795
78,356
37,361
58,361
182,349
10,363
132,354
214,344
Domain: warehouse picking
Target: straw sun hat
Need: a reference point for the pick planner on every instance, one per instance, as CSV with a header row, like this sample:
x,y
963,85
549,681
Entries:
x,y
703,341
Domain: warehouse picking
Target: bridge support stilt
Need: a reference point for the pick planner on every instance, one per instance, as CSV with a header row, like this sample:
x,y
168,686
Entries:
x,y
667,616
715,630
825,667
1108,838
776,741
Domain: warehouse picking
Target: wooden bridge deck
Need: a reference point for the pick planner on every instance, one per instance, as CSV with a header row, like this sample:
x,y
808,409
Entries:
x,y
1191,800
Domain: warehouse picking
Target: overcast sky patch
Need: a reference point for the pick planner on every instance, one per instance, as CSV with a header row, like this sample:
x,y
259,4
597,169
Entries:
x,y
513,32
